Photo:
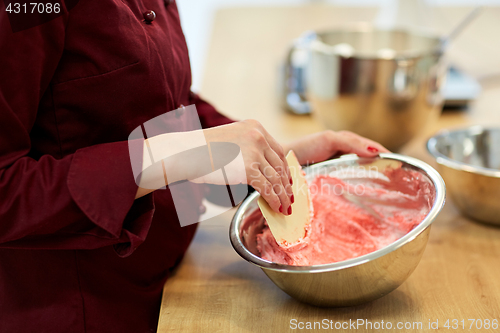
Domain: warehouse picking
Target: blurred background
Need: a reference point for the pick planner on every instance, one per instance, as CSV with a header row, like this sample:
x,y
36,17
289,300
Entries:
x,y
482,60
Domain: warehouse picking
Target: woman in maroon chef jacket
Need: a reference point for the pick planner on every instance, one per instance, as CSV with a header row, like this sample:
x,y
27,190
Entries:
x,y
81,248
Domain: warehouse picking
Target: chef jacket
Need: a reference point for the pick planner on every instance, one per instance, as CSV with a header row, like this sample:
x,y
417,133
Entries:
x,y
77,252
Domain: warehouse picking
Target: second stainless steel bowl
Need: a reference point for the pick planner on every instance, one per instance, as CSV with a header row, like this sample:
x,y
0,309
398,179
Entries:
x,y
352,281
469,160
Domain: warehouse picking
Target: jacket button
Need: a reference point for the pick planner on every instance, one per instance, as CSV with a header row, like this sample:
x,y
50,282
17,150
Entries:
x,y
180,111
202,209
149,16
168,2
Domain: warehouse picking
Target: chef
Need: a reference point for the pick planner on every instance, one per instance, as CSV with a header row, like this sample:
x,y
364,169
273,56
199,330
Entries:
x,y
82,247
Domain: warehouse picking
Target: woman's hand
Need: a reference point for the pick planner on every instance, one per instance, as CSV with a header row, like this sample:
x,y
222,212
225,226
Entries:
x,y
321,146
264,165
264,158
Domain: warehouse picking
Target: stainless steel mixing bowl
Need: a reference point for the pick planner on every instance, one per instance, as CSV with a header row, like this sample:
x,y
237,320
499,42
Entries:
x,y
382,84
352,281
469,160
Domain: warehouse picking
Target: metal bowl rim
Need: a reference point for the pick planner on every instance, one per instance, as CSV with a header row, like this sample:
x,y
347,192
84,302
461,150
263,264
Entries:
x,y
455,164
370,28
439,200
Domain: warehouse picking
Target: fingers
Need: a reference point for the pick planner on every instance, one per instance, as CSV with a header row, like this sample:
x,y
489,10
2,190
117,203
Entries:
x,y
280,153
346,142
273,177
273,166
277,164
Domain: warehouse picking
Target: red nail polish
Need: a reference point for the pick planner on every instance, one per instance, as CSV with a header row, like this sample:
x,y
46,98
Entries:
x,y
372,149
289,210
292,199
281,209
291,181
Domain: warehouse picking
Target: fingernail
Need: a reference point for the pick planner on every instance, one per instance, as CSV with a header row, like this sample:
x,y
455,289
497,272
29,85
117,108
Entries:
x,y
292,199
289,210
281,209
372,149
291,181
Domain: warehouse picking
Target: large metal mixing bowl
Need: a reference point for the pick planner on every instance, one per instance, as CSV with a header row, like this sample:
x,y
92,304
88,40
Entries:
x,y
352,281
469,160
382,84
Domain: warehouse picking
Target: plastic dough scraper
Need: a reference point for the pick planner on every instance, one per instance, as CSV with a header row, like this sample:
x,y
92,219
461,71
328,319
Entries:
x,y
289,229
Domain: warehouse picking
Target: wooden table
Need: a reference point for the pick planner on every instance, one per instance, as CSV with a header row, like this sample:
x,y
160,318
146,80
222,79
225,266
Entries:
x,y
214,290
